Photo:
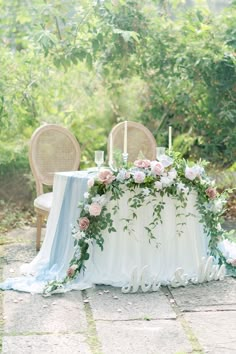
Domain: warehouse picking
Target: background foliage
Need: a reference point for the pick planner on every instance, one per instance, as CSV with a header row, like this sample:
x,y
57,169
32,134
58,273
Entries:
x,y
90,64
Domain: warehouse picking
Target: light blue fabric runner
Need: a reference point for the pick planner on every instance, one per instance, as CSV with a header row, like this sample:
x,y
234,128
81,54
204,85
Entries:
x,y
62,246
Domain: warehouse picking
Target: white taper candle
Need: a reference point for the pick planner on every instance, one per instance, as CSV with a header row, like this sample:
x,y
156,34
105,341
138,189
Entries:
x,y
125,137
170,138
111,150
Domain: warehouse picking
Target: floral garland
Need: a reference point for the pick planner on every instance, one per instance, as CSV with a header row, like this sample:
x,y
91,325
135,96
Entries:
x,y
169,175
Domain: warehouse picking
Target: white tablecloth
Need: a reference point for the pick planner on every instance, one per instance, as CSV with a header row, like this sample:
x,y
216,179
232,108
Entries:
x,y
174,245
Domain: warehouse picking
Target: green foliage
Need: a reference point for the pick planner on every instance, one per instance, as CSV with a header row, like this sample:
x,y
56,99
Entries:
x,y
88,65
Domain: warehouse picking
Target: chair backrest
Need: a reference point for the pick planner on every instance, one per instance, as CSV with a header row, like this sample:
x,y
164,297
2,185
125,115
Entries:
x,y
53,148
140,141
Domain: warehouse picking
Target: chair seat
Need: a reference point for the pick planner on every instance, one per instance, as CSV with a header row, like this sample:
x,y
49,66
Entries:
x,y
44,201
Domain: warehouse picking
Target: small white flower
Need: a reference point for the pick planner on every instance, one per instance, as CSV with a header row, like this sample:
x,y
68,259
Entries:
x,y
77,253
86,195
217,205
208,206
78,235
182,188
166,181
86,207
146,191
198,169
121,177
96,198
158,185
100,199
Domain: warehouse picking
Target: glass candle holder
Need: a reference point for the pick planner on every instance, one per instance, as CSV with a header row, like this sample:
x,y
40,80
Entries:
x,y
160,150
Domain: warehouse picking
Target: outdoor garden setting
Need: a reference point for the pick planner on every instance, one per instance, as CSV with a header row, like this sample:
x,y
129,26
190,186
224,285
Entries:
x,y
123,78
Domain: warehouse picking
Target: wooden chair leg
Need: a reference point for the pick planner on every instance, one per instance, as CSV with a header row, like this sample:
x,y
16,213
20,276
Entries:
x,y
39,229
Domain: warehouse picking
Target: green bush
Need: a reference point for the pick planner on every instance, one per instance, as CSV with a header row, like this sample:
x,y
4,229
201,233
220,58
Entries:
x,y
88,65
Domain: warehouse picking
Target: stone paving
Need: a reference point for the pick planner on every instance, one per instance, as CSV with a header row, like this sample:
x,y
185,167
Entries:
x,y
102,320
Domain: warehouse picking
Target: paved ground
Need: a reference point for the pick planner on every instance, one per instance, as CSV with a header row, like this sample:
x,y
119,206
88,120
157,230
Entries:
x,y
195,319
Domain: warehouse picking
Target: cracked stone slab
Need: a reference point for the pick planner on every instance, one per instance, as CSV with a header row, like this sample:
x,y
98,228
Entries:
x,y
38,344
30,313
216,331
109,303
139,337
212,296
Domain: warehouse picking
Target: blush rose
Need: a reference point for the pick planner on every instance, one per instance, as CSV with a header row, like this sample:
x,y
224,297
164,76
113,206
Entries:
x,y
83,223
157,168
211,192
139,176
71,270
95,209
142,163
106,177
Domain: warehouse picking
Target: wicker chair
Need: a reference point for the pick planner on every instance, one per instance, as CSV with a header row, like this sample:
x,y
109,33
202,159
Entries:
x,y
140,141
52,149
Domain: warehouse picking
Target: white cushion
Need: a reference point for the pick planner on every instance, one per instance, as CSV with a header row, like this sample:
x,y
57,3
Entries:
x,y
44,201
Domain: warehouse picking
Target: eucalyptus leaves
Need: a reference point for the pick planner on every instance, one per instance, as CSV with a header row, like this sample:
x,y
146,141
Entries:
x,y
146,179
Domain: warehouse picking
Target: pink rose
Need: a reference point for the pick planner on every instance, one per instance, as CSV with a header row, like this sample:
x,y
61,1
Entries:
x,y
106,176
157,168
90,182
142,163
139,176
95,209
71,270
83,223
211,192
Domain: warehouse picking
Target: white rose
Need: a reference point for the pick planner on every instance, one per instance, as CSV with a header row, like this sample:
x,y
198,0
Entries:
x,y
166,181
166,160
190,173
172,174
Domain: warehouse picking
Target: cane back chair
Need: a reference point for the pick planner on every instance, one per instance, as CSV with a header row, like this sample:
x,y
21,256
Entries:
x,y
140,141
53,148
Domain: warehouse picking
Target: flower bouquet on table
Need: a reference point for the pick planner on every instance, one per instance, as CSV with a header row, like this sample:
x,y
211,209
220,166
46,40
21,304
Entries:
x,y
169,175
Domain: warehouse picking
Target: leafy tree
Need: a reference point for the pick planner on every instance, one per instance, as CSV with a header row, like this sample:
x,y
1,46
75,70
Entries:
x,y
89,65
